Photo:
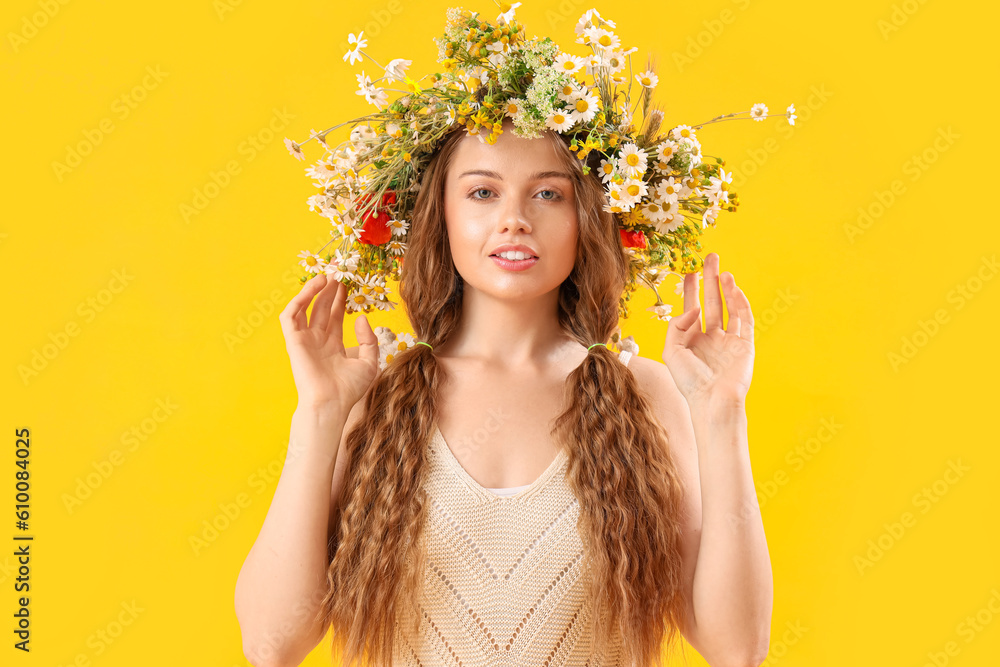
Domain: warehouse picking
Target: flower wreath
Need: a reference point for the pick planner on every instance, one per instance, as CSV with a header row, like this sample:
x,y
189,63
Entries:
x,y
660,186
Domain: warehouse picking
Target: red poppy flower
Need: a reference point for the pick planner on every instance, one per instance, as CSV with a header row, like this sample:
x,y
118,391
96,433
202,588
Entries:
x,y
632,239
375,224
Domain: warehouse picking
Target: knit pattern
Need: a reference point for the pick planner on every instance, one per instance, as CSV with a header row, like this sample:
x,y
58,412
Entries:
x,y
503,577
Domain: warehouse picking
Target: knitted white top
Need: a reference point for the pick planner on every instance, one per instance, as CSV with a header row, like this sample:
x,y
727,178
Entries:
x,y
503,577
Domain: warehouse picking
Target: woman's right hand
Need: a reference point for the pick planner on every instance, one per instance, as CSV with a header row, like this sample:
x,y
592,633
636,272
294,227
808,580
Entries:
x,y
325,374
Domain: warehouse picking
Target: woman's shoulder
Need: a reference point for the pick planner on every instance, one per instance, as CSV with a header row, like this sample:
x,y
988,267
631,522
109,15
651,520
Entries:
x,y
654,378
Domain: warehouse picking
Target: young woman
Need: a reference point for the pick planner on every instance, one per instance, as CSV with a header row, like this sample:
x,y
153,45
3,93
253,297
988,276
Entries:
x,y
511,492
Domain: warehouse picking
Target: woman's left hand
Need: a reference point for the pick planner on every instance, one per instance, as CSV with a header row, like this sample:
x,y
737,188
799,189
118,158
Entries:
x,y
715,364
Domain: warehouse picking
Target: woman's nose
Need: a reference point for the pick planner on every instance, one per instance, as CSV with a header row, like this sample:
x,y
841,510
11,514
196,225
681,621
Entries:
x,y
514,215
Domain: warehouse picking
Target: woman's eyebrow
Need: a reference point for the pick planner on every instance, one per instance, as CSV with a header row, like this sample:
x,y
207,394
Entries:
x,y
534,177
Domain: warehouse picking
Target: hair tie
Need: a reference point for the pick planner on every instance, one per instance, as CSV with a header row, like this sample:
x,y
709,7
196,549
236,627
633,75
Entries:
x,y
595,344
420,342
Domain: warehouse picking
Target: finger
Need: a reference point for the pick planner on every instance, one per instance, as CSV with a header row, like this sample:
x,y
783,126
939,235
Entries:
x,y
746,315
734,324
691,291
293,317
335,326
682,325
713,296
367,340
321,308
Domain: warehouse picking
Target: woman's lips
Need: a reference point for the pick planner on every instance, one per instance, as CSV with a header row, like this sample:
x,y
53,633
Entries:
x,y
514,264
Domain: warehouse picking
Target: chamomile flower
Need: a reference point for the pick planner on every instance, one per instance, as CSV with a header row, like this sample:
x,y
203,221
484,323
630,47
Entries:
x,y
508,15
632,160
396,247
791,114
758,111
665,151
601,39
360,298
393,130
661,311
342,265
476,77
618,200
635,188
585,108
355,45
668,190
373,94
569,93
682,132
396,69
647,79
362,133
514,106
559,120
653,211
568,64
294,149
311,262
606,170
398,227
673,219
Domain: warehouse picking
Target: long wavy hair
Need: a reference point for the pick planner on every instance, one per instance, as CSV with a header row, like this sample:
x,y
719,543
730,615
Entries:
x,y
620,467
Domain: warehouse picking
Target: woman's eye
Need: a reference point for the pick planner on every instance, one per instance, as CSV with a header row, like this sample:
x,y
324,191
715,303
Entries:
x,y
475,192
555,195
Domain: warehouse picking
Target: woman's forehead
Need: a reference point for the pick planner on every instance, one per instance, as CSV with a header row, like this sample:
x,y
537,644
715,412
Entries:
x,y
515,156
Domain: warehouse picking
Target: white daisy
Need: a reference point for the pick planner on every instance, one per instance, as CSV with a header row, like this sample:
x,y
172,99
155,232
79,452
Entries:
x,y
632,160
508,15
653,211
311,262
475,77
606,170
668,190
354,52
662,311
758,111
618,200
569,93
342,265
396,247
672,220
682,132
362,133
567,63
396,69
665,151
647,79
393,130
635,188
559,120
791,114
590,18
398,227
709,216
514,106
585,108
294,149
600,38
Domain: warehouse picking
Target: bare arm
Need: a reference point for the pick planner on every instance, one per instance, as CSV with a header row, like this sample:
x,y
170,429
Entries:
x,y
729,619
726,568
283,579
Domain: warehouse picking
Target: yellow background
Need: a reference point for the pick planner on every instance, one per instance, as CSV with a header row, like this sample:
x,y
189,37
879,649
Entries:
x,y
831,308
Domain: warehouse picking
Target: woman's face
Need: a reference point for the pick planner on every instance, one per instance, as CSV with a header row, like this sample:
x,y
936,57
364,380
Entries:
x,y
514,192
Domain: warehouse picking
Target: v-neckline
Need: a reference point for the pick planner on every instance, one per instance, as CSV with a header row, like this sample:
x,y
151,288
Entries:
x,y
480,489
